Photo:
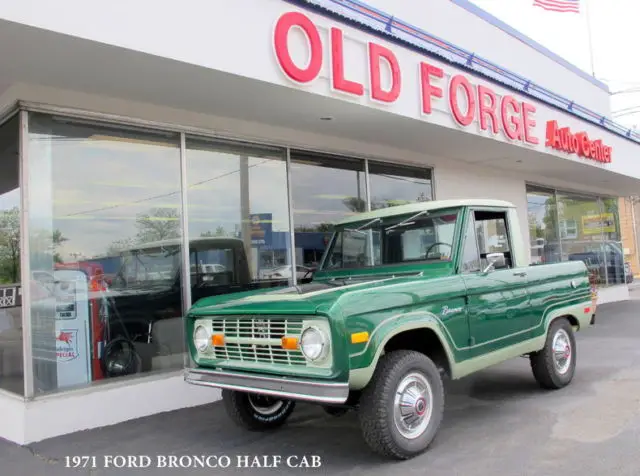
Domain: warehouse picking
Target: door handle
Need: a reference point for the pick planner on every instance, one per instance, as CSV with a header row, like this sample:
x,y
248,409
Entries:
x,y
522,274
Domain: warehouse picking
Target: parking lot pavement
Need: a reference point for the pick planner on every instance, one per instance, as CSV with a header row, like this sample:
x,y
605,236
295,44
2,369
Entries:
x,y
496,422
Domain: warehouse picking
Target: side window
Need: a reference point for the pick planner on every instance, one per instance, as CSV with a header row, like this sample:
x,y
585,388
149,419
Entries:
x,y
492,235
470,254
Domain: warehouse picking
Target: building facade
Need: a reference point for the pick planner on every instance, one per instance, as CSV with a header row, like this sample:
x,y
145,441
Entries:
x,y
230,136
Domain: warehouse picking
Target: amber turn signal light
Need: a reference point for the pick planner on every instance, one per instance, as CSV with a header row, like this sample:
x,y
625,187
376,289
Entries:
x,y
359,337
289,343
217,339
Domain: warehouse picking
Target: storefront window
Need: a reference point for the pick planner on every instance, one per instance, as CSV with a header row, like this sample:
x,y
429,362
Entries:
x,y
11,354
543,226
325,189
585,228
398,185
104,239
238,217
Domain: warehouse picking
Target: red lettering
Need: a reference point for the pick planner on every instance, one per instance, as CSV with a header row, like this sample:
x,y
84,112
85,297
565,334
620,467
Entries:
x,y
485,109
377,53
564,138
467,118
578,143
599,152
281,45
427,89
528,122
339,82
575,145
552,127
511,123
607,154
585,145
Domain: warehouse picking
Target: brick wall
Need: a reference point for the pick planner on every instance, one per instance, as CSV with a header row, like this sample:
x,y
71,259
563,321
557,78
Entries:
x,y
628,237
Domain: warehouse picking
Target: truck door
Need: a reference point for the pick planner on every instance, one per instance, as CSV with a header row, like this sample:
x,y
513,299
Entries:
x,y
498,304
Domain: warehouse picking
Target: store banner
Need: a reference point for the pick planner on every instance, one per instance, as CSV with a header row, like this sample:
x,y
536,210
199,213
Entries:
x,y
261,229
597,224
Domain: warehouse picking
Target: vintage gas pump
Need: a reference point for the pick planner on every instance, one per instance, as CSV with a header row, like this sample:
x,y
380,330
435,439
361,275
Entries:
x,y
96,309
72,327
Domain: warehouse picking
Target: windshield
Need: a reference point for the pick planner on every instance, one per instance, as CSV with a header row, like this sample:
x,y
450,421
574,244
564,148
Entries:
x,y
421,237
157,265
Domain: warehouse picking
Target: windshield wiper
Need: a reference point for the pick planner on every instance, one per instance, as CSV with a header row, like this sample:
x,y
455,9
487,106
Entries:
x,y
362,227
406,221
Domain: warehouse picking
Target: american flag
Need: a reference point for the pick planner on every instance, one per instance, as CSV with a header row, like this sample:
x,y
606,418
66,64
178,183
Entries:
x,y
558,5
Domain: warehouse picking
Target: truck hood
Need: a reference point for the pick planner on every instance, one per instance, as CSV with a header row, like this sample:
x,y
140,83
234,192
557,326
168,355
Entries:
x,y
302,299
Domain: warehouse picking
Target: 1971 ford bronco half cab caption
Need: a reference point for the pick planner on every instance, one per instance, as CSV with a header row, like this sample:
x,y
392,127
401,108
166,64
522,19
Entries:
x,y
404,297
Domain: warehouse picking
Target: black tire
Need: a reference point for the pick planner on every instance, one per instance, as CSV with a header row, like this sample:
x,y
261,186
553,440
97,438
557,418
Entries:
x,y
543,364
243,409
376,412
336,411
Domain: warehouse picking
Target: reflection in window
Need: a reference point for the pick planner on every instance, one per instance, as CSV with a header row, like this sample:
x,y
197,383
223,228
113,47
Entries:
x,y
471,253
238,217
567,227
325,189
414,238
11,354
105,232
543,226
591,243
398,185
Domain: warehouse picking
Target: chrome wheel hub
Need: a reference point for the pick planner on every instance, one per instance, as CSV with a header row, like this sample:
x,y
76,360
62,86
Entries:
x,y
412,406
562,351
265,405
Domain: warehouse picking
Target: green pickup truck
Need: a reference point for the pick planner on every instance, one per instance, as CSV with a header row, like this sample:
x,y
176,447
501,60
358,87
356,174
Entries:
x,y
404,297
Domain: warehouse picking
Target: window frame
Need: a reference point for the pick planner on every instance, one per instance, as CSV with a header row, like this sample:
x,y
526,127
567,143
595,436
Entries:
x,y
471,215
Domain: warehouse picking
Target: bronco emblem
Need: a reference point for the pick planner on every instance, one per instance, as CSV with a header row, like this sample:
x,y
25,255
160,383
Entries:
x,y
446,310
261,329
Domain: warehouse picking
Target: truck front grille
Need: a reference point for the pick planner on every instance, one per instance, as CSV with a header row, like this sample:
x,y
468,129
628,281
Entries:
x,y
257,339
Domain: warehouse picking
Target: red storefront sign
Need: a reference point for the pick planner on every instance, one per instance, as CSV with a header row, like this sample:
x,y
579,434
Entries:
x,y
467,102
561,138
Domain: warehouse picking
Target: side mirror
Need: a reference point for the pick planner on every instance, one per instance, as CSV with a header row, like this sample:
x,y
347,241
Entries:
x,y
495,260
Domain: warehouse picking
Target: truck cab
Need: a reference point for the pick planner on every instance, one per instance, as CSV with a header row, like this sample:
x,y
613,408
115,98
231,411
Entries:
x,y
404,297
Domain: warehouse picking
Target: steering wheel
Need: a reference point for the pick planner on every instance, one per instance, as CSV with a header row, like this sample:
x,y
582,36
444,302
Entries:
x,y
426,255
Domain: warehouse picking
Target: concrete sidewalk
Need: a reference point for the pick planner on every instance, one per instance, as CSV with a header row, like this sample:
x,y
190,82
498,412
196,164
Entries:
x,y
496,422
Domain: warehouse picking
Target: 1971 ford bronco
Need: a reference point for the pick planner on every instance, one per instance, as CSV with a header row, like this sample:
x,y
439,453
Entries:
x,y
404,296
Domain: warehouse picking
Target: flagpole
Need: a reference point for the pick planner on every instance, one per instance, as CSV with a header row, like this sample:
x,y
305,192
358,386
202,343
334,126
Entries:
x,y
586,12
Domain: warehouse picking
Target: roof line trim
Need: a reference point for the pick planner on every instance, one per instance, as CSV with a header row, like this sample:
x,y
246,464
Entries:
x,y
370,20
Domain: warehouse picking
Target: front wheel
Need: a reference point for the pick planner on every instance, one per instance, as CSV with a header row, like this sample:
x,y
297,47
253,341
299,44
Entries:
x,y
402,407
554,366
256,412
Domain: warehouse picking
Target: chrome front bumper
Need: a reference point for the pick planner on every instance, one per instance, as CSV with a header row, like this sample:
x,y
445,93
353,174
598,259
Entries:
x,y
294,389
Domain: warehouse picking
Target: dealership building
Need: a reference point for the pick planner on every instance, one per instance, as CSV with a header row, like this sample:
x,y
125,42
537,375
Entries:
x,y
131,143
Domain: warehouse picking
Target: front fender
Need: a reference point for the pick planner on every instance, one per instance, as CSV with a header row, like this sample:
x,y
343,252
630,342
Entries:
x,y
363,362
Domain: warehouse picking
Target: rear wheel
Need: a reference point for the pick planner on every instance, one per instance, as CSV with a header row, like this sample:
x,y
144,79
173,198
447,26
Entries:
x,y
554,366
256,412
402,407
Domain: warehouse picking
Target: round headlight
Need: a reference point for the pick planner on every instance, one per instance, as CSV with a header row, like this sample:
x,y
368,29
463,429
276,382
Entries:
x,y
313,343
201,338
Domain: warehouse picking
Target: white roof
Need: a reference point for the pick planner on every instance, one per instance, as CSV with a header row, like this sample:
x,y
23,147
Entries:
x,y
432,205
